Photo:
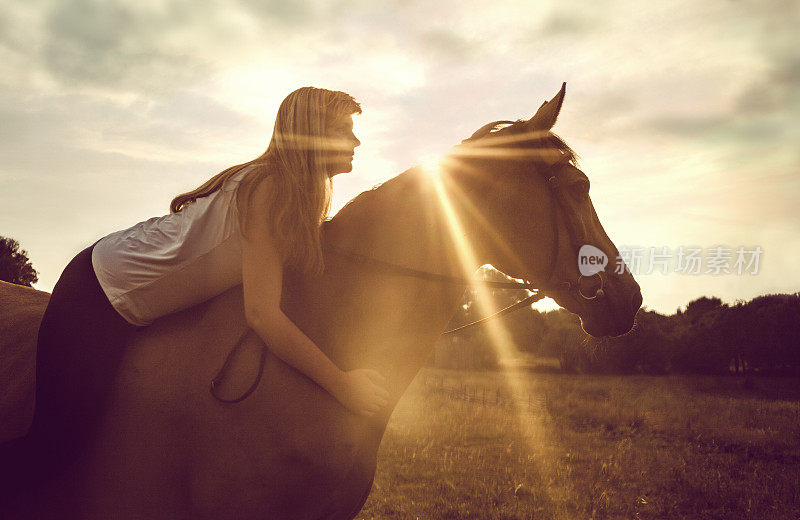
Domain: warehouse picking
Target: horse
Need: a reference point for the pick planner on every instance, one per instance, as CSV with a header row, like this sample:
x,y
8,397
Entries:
x,y
511,196
21,310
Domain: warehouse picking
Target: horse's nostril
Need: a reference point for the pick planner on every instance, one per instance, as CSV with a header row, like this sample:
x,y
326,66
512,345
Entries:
x,y
636,301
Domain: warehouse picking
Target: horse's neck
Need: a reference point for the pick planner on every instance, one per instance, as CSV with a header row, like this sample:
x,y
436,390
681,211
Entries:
x,y
406,223
402,222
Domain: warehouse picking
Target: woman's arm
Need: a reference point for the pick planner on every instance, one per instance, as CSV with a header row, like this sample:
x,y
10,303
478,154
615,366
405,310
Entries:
x,y
262,274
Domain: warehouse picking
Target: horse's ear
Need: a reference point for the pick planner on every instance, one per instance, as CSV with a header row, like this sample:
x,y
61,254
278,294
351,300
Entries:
x,y
546,116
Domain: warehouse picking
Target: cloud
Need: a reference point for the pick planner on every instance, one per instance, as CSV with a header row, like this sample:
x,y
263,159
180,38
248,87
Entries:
x,y
274,13
567,24
121,45
448,45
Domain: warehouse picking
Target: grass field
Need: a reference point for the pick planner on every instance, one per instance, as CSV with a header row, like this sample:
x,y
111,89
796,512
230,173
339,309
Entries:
x,y
548,445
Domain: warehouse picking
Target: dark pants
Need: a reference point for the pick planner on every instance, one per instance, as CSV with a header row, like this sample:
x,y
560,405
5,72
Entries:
x,y
80,347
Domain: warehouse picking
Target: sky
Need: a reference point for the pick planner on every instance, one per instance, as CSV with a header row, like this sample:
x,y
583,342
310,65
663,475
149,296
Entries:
x,y
686,115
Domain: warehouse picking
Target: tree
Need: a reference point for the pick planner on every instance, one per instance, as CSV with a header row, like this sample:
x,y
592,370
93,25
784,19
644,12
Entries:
x,y
15,267
696,309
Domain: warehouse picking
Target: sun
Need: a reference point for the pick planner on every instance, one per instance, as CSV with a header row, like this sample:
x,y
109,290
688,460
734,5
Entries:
x,y
432,164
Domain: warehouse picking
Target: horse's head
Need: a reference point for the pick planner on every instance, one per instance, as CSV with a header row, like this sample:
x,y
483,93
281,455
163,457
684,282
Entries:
x,y
536,214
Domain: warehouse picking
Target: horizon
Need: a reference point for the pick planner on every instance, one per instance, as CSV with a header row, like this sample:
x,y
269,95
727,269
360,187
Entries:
x,y
688,136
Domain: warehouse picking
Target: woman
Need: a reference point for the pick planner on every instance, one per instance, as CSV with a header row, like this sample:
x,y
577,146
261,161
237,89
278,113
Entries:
x,y
244,225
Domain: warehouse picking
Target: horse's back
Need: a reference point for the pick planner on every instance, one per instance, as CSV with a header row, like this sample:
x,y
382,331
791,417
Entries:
x,y
21,310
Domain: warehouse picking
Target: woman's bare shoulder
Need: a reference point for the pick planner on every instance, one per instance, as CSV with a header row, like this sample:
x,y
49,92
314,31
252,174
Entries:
x,y
257,184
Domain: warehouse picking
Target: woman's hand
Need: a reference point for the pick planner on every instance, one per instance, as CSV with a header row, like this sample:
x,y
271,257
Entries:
x,y
362,391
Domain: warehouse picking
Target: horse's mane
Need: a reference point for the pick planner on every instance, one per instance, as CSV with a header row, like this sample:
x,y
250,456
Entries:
x,y
518,127
372,197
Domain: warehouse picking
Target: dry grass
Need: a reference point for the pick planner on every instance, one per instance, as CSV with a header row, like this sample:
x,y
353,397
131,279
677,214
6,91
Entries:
x,y
573,447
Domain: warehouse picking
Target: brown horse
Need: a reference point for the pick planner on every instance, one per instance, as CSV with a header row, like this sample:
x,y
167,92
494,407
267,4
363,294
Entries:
x,y
166,449
21,310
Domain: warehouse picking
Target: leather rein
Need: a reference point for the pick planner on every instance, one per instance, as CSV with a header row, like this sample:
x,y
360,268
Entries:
x,y
576,236
392,268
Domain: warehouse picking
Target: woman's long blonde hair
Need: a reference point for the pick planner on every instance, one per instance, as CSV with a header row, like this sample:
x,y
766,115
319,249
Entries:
x,y
300,198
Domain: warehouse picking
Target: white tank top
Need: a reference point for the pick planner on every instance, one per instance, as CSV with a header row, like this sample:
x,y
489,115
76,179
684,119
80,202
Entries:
x,y
166,264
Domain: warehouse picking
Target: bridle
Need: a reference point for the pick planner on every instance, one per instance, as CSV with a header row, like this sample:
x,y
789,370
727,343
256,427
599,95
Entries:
x,y
558,206
577,238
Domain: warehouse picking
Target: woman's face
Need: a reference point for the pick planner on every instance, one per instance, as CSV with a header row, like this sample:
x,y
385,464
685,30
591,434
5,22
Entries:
x,y
341,145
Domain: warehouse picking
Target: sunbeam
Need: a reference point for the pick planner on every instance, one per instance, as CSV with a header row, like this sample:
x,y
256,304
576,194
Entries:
x,y
534,432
